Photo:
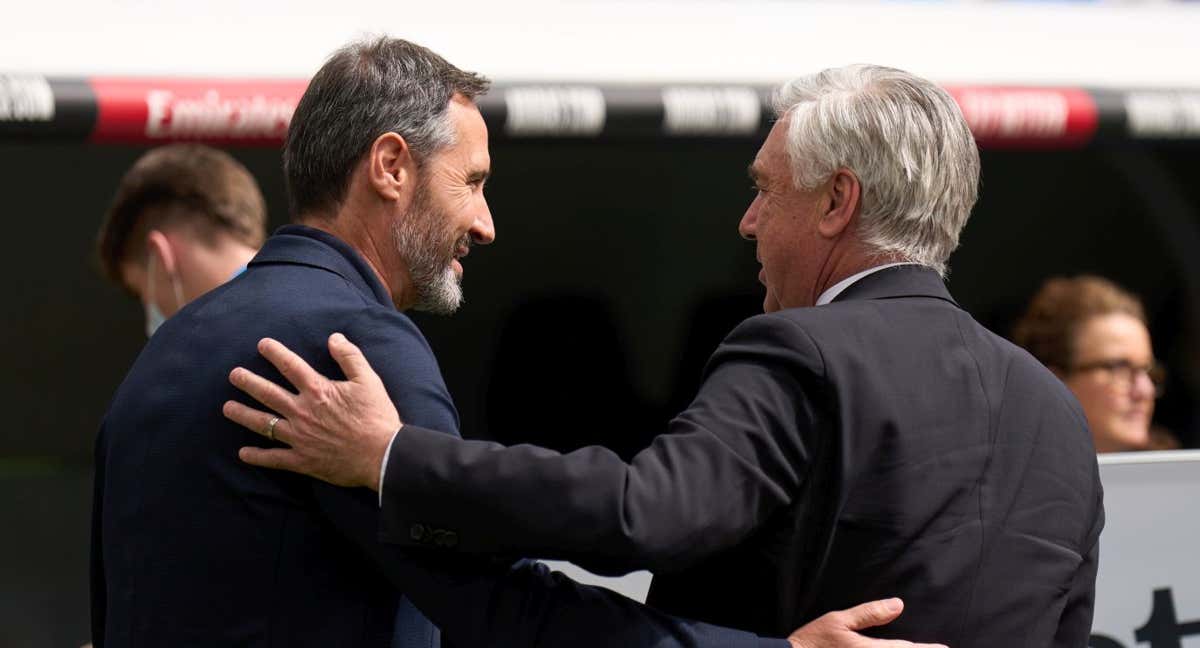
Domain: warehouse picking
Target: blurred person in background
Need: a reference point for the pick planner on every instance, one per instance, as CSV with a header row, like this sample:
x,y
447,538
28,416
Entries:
x,y
185,219
1093,336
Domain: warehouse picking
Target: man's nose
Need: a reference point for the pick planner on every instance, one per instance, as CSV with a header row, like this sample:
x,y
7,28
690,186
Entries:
x,y
749,222
483,231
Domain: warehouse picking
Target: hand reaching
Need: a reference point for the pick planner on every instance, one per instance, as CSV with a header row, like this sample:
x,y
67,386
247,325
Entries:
x,y
840,629
338,431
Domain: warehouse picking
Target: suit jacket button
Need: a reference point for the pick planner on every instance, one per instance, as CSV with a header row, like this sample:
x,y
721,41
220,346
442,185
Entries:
x,y
417,532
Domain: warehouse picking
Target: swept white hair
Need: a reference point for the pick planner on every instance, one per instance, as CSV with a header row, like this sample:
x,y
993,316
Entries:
x,y
906,140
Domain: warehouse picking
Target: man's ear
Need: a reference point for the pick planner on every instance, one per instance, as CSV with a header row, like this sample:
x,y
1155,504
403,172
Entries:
x,y
390,166
844,195
159,245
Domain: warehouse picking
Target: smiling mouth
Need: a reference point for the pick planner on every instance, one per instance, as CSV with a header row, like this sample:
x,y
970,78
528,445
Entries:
x,y
463,247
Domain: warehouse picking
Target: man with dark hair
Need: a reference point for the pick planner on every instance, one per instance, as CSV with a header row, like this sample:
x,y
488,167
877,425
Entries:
x,y
193,547
184,220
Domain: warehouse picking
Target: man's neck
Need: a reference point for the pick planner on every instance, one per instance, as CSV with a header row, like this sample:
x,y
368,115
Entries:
x,y
841,267
205,266
368,246
236,259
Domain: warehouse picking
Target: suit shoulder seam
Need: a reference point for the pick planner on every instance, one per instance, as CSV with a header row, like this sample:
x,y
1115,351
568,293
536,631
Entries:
x,y
992,419
812,342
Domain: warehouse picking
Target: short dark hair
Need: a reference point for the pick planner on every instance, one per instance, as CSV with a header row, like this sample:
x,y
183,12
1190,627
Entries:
x,y
1061,307
364,90
180,184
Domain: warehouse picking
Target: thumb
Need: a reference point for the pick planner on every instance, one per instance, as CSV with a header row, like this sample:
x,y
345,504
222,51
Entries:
x,y
873,613
353,363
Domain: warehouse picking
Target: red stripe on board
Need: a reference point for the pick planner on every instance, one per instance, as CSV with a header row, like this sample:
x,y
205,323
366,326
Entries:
x,y
151,111
1015,117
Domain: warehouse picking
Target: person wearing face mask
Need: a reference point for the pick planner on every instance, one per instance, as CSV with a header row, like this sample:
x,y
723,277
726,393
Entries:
x,y
185,219
1093,336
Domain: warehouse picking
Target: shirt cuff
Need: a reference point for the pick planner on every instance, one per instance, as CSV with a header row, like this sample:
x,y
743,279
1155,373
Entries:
x,y
383,466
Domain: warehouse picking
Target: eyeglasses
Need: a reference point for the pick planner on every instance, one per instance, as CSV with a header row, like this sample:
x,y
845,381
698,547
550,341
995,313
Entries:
x,y
1124,373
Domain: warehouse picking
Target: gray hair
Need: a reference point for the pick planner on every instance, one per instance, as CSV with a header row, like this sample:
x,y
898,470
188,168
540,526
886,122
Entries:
x,y
368,88
906,140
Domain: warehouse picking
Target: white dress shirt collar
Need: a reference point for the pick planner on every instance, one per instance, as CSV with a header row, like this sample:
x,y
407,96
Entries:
x,y
836,289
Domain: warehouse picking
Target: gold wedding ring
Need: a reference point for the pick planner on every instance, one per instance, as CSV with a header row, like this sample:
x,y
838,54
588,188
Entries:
x,y
271,427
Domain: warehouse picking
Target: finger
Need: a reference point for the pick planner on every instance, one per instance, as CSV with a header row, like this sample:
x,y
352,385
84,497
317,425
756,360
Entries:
x,y
873,613
274,458
351,359
255,420
298,372
263,391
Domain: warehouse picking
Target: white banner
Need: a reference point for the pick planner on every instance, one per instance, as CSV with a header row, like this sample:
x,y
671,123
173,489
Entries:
x,y
1148,590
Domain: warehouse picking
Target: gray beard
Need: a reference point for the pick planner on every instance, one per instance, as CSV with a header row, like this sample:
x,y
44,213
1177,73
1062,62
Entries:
x,y
422,243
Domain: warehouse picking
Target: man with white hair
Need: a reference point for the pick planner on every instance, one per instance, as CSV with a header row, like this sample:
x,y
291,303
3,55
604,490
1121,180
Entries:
x,y
865,437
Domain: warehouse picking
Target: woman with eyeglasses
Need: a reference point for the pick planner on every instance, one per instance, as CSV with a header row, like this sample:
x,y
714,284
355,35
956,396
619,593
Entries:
x,y
1093,336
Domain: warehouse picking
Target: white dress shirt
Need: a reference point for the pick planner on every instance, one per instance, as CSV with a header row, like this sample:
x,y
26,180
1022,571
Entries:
x,y
836,289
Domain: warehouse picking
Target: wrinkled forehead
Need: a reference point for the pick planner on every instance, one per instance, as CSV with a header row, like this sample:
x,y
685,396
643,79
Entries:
x,y
772,158
467,156
471,134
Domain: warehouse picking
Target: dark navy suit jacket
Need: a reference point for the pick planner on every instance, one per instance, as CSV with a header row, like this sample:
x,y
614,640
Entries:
x,y
882,445
191,547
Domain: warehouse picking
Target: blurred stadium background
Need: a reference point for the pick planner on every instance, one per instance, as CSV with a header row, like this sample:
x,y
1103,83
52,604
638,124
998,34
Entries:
x,y
617,266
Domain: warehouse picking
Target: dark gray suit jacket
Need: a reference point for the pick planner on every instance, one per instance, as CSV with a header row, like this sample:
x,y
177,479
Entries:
x,y
882,445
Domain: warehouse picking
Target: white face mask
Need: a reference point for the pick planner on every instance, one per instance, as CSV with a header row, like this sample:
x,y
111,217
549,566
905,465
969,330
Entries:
x,y
154,316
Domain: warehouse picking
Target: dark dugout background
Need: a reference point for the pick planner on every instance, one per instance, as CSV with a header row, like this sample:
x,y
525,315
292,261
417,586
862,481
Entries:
x,y
617,269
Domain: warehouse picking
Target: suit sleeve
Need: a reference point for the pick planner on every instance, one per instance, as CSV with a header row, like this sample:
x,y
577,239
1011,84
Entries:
x,y
98,585
1075,625
738,453
488,602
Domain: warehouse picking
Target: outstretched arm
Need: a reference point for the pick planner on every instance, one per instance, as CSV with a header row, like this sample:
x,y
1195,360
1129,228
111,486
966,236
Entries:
x,y
737,454
591,616
478,602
